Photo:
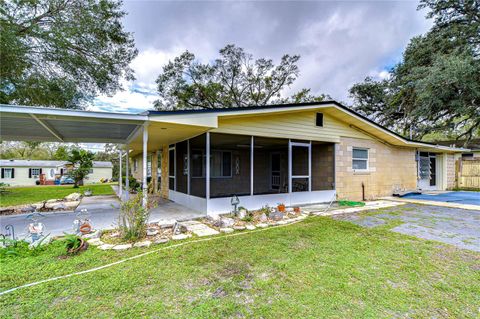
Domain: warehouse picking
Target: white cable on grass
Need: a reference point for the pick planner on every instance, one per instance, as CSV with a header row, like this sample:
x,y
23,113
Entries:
x,y
140,255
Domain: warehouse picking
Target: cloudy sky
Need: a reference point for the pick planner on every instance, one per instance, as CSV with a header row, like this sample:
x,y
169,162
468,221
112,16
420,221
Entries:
x,y
340,42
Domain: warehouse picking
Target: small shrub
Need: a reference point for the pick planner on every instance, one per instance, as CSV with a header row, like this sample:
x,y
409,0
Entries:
x,y
3,188
133,218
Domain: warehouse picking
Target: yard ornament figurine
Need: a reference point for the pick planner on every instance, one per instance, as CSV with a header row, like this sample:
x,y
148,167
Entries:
x,y
36,228
235,201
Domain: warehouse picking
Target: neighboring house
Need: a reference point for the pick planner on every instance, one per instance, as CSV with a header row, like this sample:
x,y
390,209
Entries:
x,y
473,147
292,154
27,172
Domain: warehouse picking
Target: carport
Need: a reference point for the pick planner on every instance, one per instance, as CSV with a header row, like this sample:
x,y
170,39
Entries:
x,y
22,123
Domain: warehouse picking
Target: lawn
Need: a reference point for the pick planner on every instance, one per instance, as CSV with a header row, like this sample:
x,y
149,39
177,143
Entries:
x,y
319,268
34,194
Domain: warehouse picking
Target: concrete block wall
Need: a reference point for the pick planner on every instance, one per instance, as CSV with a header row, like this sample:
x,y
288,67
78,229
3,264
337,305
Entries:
x,y
390,168
450,171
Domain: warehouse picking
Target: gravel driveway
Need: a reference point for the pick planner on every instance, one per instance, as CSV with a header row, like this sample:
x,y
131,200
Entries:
x,y
453,226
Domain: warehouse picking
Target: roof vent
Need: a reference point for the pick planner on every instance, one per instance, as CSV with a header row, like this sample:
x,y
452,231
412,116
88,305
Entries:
x,y
319,119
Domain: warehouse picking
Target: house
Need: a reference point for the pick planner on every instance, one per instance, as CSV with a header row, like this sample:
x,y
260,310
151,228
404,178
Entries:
x,y
473,147
28,172
293,153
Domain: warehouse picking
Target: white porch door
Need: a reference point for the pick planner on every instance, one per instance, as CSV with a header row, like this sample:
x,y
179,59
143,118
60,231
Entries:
x,y
427,172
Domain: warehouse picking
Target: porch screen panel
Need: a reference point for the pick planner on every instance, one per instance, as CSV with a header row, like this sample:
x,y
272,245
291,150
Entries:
x,y
270,168
197,166
323,168
171,168
300,173
229,165
181,167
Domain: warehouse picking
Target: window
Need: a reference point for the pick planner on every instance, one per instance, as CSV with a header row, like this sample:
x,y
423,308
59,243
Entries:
x,y
221,164
360,159
8,173
319,119
36,172
197,158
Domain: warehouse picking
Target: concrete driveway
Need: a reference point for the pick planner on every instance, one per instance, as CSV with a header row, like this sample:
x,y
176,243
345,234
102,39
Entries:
x,y
459,227
104,211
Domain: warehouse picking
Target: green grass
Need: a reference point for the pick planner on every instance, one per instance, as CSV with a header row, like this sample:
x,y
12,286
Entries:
x,y
320,268
34,194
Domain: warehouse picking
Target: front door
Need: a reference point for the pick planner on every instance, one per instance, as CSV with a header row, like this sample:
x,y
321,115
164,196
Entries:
x,y
427,171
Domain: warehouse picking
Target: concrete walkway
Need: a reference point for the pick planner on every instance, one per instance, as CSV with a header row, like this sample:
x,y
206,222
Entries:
x,y
104,212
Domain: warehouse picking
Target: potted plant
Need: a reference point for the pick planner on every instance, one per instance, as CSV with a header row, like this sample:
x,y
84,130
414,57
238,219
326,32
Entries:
x,y
74,244
296,209
281,207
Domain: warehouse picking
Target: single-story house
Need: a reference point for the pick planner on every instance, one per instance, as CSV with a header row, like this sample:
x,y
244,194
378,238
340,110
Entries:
x,y
473,147
293,153
28,172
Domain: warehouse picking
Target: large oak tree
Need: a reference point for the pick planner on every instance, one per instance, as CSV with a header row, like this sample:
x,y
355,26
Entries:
x,y
62,52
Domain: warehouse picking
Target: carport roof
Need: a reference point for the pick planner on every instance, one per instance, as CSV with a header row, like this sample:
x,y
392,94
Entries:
x,y
59,125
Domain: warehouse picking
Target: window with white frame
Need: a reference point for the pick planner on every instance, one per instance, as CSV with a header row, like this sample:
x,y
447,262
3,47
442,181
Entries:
x,y
35,172
221,164
7,173
360,159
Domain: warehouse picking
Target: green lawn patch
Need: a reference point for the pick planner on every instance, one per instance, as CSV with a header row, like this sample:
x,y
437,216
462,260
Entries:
x,y
319,268
33,194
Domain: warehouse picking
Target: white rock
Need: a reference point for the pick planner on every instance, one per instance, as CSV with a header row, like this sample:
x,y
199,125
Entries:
x,y
145,243
239,227
166,223
250,227
73,197
262,225
59,206
161,241
242,213
226,230
94,234
106,246
181,236
122,247
152,232
226,222
38,205
282,222
71,205
51,201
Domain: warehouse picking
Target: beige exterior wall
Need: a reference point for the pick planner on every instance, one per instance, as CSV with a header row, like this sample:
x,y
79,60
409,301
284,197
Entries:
x,y
300,125
450,174
98,174
390,168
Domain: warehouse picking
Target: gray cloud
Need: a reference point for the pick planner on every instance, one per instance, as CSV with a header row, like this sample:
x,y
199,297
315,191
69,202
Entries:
x,y
340,42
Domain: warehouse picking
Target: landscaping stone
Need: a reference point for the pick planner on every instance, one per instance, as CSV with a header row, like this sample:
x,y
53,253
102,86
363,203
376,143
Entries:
x,y
262,225
73,197
166,223
181,236
236,227
250,227
51,201
38,205
161,241
28,209
106,247
198,228
152,232
122,247
145,243
276,215
94,234
226,222
226,230
242,213
262,218
71,205
59,206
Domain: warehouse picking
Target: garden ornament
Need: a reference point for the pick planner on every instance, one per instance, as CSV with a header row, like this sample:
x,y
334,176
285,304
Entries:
x,y
82,224
235,201
36,228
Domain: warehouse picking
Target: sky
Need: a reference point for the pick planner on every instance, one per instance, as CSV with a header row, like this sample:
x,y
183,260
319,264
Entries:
x,y
340,42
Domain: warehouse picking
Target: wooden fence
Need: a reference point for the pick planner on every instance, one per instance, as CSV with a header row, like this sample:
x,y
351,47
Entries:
x,y
468,174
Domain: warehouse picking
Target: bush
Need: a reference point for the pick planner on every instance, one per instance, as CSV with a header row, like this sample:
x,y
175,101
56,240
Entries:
x,y
133,218
132,183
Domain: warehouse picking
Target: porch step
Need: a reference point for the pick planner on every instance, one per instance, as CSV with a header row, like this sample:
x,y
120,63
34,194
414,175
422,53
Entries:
x,y
198,228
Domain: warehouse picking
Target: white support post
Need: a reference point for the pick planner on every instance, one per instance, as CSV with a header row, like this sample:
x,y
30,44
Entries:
x,y
289,166
207,168
188,167
252,147
144,168
310,167
175,167
127,174
120,186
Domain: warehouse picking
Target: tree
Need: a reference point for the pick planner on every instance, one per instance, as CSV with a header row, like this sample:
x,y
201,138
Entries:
x,y
82,162
61,53
436,86
235,79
